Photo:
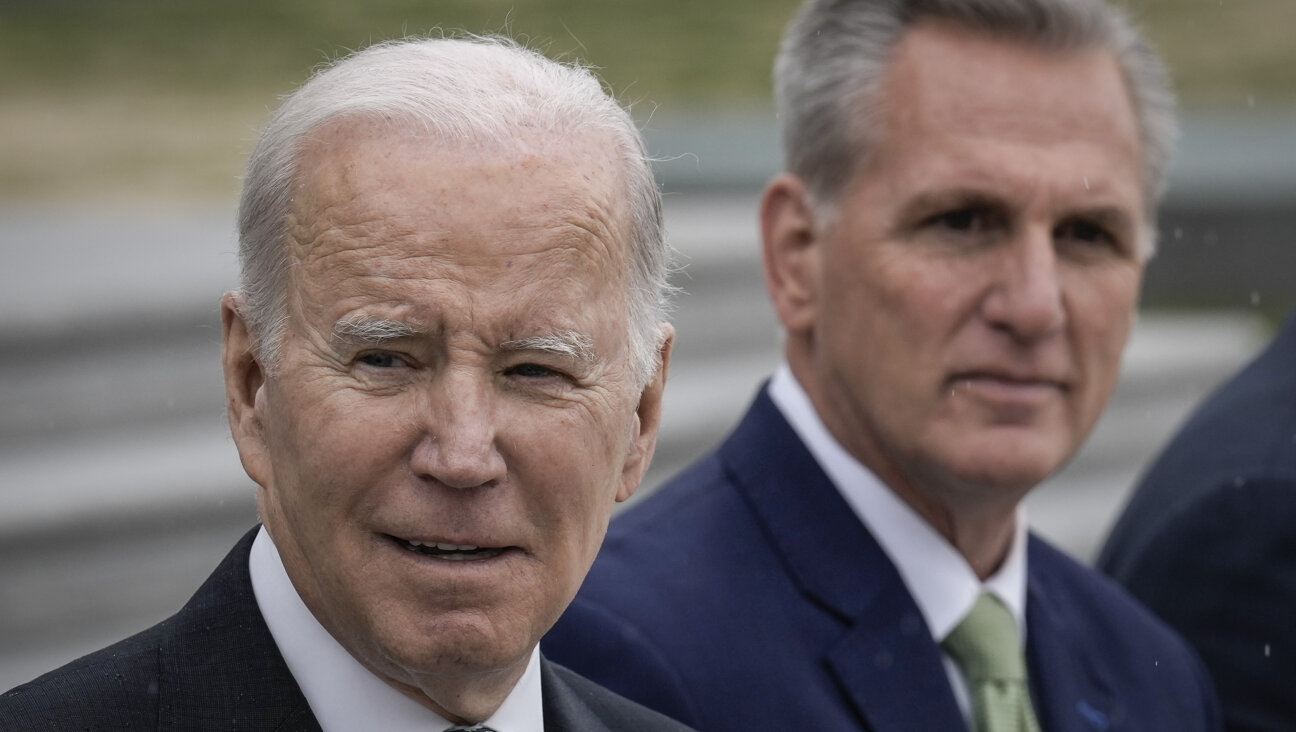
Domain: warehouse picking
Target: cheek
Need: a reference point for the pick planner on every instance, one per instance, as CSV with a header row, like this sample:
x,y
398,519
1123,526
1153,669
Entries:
x,y
1102,310
325,445
909,318
569,466
1102,315
916,295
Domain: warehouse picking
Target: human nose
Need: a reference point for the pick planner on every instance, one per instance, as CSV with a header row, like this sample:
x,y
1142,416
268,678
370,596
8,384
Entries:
x,y
1026,300
458,445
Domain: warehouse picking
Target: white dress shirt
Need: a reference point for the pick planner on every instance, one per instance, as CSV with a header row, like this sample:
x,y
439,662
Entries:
x,y
940,580
343,694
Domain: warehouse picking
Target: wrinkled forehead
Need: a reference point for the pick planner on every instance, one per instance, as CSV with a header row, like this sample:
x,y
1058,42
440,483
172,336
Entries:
x,y
361,175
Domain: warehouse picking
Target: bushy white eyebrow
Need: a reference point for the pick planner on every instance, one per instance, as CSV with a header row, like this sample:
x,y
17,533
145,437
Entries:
x,y
372,331
563,343
376,331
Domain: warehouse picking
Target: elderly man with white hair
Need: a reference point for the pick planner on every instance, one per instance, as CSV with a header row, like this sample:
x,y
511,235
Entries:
x,y
443,368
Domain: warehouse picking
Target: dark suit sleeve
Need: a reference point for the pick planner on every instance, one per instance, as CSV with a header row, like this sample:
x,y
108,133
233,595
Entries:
x,y
1223,573
212,666
103,691
594,642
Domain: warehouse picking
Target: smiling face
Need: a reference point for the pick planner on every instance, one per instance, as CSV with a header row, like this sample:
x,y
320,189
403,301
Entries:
x,y
454,412
960,322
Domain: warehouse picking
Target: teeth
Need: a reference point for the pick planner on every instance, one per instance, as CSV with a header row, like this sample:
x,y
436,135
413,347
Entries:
x,y
457,547
444,547
451,552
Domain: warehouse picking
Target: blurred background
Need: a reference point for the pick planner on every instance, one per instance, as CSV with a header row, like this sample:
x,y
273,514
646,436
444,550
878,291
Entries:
x,y
124,125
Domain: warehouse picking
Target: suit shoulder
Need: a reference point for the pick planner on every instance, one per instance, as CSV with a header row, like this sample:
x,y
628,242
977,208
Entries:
x,y
1220,574
672,532
617,712
636,624
696,484
1095,597
626,655
113,688
1101,614
1242,430
1078,618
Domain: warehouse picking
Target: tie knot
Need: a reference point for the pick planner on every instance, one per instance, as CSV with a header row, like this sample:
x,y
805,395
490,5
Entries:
x,y
986,645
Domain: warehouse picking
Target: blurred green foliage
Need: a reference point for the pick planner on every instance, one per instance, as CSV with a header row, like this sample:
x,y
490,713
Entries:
x,y
665,49
696,51
162,95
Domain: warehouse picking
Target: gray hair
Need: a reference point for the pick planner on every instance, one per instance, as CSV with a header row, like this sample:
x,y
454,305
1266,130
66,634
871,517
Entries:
x,y
470,89
835,52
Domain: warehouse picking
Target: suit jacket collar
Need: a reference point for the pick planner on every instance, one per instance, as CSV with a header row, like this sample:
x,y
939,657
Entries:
x,y
220,668
1072,687
885,660
564,711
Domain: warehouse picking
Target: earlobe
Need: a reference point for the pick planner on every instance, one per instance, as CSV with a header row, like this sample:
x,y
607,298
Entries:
x,y
244,384
790,249
647,419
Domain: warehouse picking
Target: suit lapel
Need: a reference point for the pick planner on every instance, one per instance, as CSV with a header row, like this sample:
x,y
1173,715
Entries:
x,y
890,668
1070,690
563,709
220,668
885,660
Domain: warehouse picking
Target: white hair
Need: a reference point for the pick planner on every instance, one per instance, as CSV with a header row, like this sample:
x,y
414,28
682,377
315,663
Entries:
x,y
469,89
835,53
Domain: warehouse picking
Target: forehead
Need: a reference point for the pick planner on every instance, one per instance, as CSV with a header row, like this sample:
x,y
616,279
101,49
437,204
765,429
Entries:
x,y
375,205
353,173
951,84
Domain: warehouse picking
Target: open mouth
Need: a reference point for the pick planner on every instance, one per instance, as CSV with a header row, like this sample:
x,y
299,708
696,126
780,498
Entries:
x,y
450,552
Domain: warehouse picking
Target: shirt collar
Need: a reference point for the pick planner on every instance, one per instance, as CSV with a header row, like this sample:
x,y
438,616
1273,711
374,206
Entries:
x,y
342,693
937,576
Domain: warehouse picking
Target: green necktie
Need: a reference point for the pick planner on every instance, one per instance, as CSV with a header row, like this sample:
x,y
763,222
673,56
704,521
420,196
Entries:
x,y
987,648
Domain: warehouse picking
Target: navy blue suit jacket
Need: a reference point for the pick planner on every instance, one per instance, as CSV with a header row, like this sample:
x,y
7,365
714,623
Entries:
x,y
1208,540
745,595
215,666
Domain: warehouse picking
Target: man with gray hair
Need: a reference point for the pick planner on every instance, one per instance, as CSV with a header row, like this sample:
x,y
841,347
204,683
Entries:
x,y
954,253
443,369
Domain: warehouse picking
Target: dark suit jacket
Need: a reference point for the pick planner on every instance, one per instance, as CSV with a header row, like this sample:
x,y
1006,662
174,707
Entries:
x,y
746,595
215,666
1208,540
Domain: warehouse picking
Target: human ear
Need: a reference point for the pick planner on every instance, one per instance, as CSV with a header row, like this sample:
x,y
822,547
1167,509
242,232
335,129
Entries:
x,y
790,251
647,418
244,389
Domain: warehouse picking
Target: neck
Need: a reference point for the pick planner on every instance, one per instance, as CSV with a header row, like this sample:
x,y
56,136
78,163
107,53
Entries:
x,y
980,529
982,541
977,520
465,701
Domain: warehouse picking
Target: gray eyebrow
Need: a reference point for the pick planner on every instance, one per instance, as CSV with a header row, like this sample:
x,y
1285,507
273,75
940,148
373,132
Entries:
x,y
376,331
360,329
563,343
